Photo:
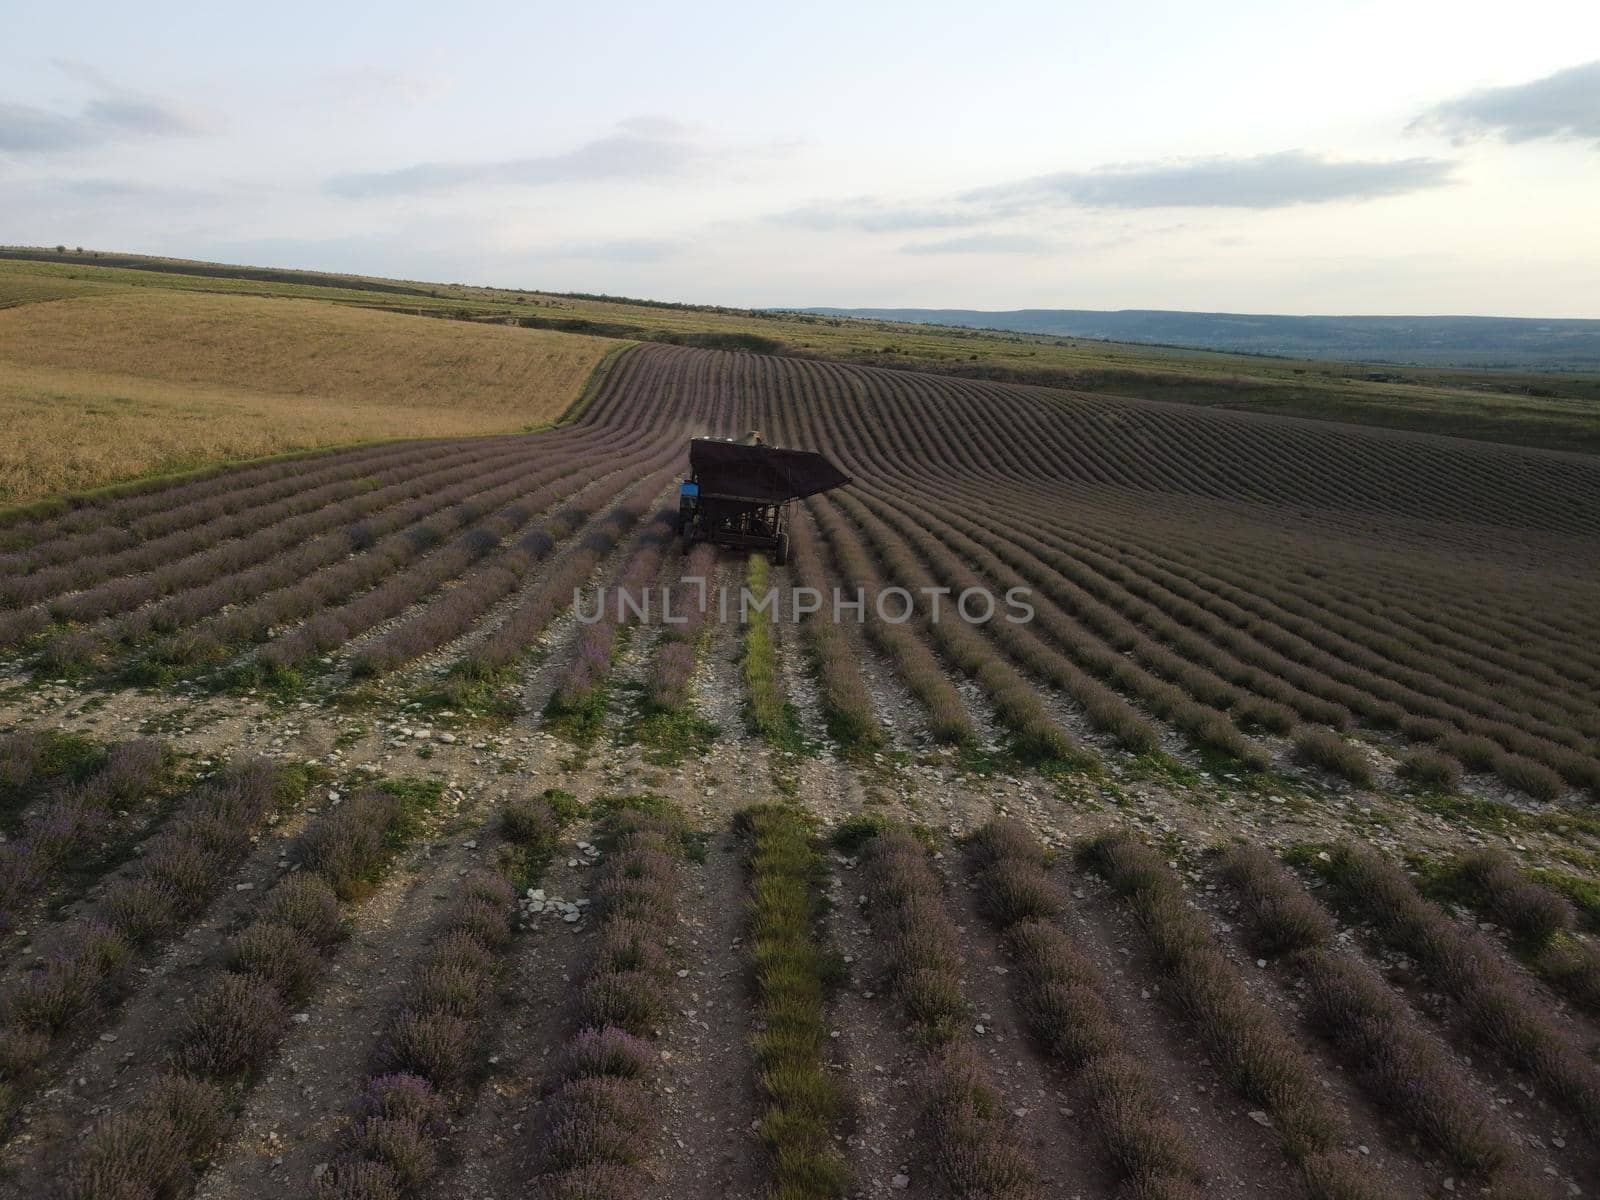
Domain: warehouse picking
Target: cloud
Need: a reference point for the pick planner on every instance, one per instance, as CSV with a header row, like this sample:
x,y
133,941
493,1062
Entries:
x,y
1564,107
115,114
642,148
626,250
870,215
1265,181
374,87
983,243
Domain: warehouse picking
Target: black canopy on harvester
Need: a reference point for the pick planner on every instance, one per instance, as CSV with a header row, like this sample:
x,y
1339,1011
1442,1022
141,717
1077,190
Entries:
x,y
739,491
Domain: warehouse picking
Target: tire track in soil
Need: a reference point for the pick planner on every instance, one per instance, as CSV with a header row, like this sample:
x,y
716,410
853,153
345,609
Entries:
x,y
1063,1149
116,1058
882,1065
292,1116
707,1147
1237,1157
737,771
493,1148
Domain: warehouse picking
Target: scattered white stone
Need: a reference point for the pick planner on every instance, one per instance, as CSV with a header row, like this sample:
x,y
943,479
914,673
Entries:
x,y
900,1182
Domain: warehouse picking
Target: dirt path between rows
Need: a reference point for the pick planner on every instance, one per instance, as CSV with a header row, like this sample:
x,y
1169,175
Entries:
x,y
707,1086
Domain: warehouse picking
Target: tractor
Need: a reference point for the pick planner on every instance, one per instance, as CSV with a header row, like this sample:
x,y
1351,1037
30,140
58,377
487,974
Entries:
x,y
739,491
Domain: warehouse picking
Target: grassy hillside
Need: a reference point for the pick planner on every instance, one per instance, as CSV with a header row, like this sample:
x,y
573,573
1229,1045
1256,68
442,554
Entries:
x,y
111,382
1557,411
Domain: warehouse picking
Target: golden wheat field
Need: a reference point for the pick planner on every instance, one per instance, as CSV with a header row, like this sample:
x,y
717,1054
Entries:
x,y
182,380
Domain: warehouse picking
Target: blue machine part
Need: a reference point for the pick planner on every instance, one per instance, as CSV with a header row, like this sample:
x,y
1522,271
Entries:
x,y
688,488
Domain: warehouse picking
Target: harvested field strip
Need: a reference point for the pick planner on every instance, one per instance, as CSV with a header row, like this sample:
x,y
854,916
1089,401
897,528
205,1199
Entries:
x,y
767,711
794,973
1064,996
1256,1053
393,1143
1500,1012
233,1029
1401,1065
969,1136
596,1136
66,828
85,971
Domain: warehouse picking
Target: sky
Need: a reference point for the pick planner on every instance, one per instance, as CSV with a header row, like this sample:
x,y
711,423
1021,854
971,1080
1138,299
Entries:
x,y
1342,157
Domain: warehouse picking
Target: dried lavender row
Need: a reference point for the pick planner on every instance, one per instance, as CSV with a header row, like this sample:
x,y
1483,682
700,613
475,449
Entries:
x,y
381,577
181,872
154,1145
972,1147
1034,730
395,1136
553,592
935,456
74,819
851,715
243,570
102,521
578,703
455,612
1065,998
33,760
678,650
1541,922
922,673
598,1132
330,629
1399,1063
1500,1012
1256,1053
169,535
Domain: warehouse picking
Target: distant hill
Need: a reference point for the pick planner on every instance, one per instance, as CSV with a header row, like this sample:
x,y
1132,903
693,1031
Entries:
x,y
1522,342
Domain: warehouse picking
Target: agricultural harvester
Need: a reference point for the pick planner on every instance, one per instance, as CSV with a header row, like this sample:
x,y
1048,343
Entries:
x,y
739,491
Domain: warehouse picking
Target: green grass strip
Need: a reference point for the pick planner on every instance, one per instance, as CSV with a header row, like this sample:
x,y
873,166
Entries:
x,y
767,711
794,972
